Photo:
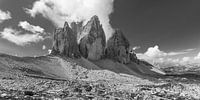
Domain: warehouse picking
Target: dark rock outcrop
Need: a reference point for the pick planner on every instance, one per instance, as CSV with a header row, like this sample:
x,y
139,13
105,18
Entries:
x,y
77,28
118,48
64,42
133,57
92,40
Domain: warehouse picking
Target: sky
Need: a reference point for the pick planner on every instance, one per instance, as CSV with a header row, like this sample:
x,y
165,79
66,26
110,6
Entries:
x,y
158,30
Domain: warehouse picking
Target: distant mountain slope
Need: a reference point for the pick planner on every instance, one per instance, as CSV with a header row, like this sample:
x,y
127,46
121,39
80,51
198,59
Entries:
x,y
64,68
132,68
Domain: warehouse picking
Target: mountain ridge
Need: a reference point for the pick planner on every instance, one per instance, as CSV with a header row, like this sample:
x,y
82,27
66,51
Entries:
x,y
92,45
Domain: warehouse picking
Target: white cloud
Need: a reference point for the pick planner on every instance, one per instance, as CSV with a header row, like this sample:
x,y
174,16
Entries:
x,y
188,50
177,53
174,60
74,10
197,57
135,48
49,51
4,16
155,55
43,47
155,52
31,28
16,37
185,60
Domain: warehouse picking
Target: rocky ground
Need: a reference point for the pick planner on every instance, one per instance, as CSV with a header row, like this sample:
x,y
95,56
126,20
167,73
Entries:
x,y
16,86
20,79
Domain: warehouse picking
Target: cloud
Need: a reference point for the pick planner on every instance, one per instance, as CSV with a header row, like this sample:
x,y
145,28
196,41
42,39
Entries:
x,y
4,16
31,28
197,57
177,53
155,55
155,52
188,50
74,10
135,48
185,59
33,34
18,38
49,51
43,47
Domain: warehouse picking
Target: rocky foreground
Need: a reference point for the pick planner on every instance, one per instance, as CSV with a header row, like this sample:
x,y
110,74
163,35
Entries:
x,y
34,88
20,83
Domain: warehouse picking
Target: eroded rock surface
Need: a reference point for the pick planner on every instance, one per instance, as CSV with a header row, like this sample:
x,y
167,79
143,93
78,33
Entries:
x,y
118,48
92,40
77,28
64,42
133,57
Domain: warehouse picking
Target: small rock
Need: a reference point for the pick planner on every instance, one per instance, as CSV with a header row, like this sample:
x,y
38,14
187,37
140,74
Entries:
x,y
29,93
57,99
3,95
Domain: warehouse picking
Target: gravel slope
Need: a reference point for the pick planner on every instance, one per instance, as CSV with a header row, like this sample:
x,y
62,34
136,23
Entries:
x,y
60,78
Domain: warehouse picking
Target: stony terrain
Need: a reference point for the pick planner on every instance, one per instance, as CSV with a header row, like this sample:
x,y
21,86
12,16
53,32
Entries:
x,y
17,84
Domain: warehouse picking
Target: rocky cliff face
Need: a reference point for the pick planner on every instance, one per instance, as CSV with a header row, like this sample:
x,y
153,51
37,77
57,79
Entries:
x,y
92,40
89,41
77,28
118,48
133,57
64,42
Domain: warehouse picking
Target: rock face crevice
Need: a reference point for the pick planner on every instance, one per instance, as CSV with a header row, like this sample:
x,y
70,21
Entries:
x,y
89,41
92,40
118,48
64,42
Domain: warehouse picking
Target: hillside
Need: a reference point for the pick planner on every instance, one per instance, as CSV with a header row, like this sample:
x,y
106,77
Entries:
x,y
62,68
56,77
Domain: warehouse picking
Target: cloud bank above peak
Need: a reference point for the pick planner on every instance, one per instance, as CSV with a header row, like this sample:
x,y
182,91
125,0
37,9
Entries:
x,y
74,10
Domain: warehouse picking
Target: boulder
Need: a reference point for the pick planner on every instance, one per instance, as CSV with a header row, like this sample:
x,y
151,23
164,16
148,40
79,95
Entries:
x,y
118,48
64,42
92,40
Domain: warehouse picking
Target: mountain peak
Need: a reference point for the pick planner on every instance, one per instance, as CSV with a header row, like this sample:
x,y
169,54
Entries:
x,y
92,42
66,25
95,18
119,34
94,22
64,42
118,47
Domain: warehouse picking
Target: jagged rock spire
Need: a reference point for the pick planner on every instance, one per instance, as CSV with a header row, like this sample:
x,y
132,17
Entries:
x,y
89,41
118,48
92,40
77,28
64,42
